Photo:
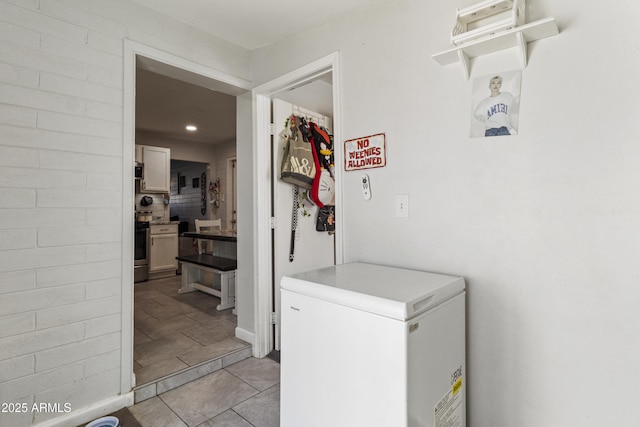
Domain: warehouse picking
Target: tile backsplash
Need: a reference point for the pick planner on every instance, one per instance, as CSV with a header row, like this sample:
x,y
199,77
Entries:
x,y
159,211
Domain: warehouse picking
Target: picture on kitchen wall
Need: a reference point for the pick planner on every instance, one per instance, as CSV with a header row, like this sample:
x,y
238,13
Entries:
x,y
496,104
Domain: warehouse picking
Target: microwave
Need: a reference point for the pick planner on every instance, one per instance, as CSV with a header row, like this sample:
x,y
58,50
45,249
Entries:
x,y
138,171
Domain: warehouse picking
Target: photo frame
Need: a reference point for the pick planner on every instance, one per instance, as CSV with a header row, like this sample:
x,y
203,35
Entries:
x,y
495,105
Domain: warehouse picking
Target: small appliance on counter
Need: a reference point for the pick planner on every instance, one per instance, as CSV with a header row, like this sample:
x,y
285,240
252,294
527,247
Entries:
x,y
144,216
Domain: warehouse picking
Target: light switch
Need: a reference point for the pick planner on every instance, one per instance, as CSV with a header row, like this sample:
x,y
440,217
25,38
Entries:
x,y
402,206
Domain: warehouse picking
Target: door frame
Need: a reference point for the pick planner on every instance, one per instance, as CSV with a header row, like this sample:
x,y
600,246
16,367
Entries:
x,y
169,65
262,251
232,191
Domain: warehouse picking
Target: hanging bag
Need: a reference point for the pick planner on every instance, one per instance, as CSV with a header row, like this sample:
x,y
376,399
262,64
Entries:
x,y
326,219
323,188
298,167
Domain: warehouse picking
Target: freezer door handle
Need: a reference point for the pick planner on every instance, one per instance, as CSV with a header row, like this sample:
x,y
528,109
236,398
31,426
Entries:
x,y
418,306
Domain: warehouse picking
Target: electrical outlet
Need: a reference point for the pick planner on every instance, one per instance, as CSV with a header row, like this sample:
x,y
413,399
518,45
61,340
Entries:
x,y
402,206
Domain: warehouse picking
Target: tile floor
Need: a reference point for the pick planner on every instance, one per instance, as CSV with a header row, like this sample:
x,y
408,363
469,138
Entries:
x,y
244,394
176,331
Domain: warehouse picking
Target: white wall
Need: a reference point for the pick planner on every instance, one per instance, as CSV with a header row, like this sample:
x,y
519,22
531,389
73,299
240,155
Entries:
x,y
245,295
544,226
61,186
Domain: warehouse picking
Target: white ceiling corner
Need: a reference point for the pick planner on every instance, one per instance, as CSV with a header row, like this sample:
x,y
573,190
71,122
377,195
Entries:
x,y
254,23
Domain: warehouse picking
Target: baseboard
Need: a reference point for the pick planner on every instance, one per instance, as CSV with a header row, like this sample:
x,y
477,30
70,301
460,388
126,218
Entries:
x,y
90,413
245,335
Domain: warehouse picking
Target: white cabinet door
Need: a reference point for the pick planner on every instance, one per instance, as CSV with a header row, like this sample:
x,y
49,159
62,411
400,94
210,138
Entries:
x,y
157,169
163,253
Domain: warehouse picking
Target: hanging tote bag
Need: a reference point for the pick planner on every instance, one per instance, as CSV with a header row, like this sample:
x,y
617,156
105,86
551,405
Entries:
x,y
323,188
298,167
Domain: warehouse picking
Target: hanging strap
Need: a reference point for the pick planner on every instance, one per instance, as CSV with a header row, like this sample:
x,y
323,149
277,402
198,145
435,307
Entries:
x,y
294,221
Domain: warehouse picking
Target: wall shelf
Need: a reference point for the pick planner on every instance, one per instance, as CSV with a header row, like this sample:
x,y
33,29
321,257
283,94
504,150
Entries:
x,y
516,37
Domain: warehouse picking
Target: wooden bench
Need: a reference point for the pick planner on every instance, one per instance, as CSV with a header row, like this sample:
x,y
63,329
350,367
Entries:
x,y
193,269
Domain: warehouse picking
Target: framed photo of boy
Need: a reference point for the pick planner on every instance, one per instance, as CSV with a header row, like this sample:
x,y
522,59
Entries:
x,y
496,104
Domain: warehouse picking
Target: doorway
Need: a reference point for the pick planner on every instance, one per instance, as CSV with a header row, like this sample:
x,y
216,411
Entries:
x,y
263,252
304,248
150,59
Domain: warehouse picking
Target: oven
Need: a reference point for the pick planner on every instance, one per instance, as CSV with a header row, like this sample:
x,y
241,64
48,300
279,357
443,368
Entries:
x,y
141,252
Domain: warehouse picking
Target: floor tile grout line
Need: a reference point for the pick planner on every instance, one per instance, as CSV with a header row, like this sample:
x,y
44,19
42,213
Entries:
x,y
240,415
196,366
162,294
171,409
249,398
230,408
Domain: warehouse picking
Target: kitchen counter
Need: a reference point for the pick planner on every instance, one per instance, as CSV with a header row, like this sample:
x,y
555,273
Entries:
x,y
224,235
163,222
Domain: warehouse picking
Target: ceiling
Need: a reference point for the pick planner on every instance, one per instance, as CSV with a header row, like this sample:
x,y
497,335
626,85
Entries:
x,y
254,23
165,105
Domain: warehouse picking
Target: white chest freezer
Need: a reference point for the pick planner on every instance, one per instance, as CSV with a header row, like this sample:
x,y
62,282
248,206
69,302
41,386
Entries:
x,y
368,345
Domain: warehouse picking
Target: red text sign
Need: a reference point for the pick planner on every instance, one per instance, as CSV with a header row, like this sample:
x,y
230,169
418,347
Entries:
x,y
365,153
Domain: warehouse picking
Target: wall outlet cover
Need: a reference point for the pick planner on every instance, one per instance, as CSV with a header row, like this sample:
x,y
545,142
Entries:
x,y
402,206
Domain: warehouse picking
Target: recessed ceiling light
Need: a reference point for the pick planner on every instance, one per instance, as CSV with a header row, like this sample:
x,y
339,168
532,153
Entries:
x,y
191,128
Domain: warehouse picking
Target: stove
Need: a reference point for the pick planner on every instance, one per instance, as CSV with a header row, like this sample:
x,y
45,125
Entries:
x,y
141,252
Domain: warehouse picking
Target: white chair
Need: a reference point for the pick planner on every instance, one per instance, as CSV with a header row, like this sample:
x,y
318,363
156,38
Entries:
x,y
202,225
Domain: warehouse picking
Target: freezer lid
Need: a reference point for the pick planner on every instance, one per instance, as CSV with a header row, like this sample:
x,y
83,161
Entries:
x,y
388,291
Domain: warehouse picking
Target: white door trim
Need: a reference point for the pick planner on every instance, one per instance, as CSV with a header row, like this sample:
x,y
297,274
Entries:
x,y
163,63
262,166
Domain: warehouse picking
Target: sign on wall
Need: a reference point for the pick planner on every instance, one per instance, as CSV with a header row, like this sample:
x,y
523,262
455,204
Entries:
x,y
496,104
365,153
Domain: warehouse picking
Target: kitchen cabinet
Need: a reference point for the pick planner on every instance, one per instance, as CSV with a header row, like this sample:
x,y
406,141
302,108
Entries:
x,y
163,250
157,169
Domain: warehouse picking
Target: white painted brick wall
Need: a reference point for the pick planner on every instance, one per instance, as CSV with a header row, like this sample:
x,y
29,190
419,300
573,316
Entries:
x,y
37,299
37,341
76,352
14,281
18,76
103,251
75,124
61,92
16,156
28,218
102,288
17,324
78,273
78,88
17,367
37,138
35,98
10,114
102,325
79,235
40,381
17,239
94,388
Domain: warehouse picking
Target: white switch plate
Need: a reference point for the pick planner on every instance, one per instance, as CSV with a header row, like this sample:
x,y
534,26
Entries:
x,y
402,206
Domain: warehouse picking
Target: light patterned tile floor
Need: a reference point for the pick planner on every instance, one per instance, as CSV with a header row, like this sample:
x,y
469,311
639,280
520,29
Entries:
x,y
175,331
246,394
